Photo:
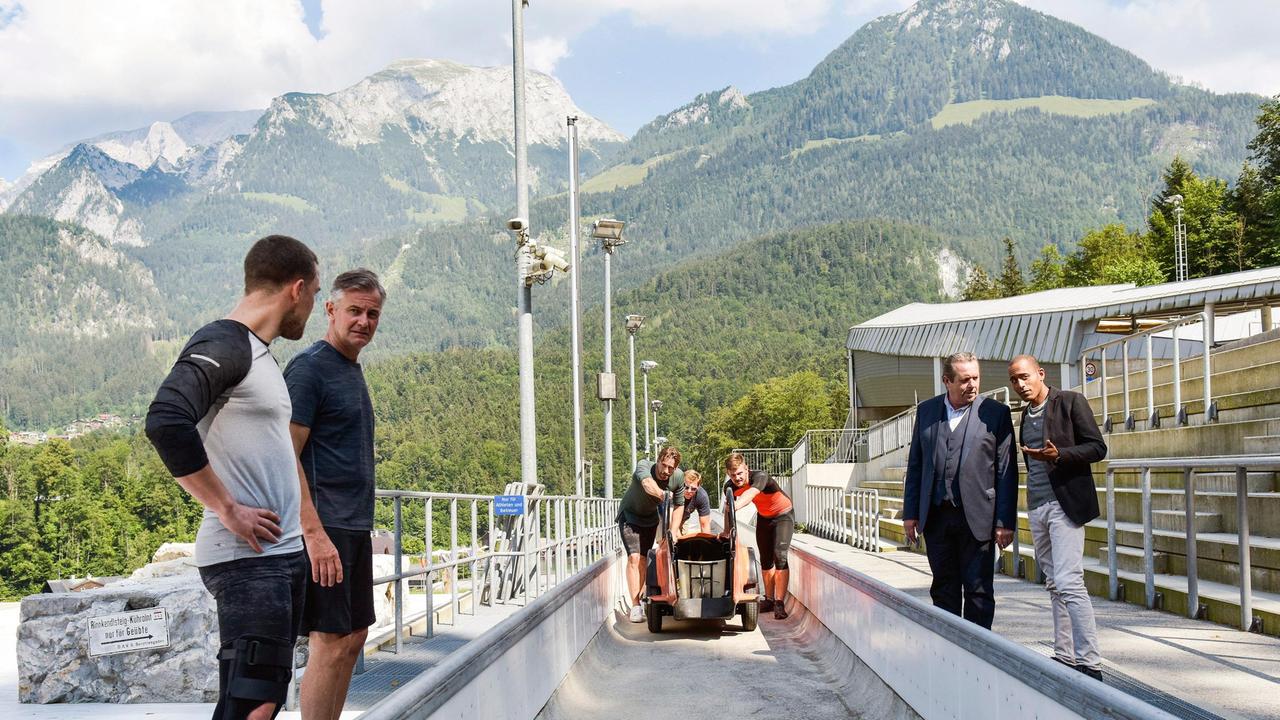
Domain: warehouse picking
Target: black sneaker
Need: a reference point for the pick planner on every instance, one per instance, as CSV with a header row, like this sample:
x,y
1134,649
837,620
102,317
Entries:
x,y
1095,673
779,611
766,605
1068,663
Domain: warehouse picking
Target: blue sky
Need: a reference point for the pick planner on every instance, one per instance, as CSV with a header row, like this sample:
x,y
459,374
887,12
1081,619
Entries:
x,y
88,68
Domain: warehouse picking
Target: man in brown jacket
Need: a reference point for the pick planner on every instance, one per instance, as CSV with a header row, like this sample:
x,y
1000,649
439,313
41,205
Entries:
x,y
1059,440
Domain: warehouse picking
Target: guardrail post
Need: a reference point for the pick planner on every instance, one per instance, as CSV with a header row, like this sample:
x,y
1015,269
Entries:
x,y
1246,566
1193,581
429,580
1210,412
1148,540
475,550
1179,418
453,562
493,548
1124,367
399,568
1106,412
1113,576
1153,420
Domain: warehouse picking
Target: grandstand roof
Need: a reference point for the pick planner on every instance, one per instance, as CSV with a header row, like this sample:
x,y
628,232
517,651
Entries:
x,y
1049,324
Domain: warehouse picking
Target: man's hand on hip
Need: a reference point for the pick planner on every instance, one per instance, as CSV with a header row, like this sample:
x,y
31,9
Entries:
x,y
251,524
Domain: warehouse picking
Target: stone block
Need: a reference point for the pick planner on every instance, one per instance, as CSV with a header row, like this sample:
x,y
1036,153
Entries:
x,y
54,665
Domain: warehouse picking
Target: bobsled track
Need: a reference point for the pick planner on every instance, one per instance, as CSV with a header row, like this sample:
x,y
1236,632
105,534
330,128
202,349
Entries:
x,y
852,647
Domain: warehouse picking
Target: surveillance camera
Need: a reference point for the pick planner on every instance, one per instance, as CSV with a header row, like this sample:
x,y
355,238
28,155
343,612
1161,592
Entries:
x,y
555,261
517,224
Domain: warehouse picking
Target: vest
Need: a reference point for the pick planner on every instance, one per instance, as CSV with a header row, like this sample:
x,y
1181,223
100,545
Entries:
x,y
946,466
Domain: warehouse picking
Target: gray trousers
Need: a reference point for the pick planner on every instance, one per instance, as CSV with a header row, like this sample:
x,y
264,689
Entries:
x,y
1060,555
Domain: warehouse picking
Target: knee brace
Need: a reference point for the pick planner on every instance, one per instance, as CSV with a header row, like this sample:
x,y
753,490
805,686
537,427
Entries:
x,y
258,670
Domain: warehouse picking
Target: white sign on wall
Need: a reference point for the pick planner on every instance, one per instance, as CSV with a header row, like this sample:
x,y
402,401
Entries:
x,y
128,631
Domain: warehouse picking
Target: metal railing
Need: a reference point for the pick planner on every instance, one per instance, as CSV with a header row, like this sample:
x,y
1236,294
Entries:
x,y
847,517
839,445
520,557
894,433
775,461
1153,415
1241,464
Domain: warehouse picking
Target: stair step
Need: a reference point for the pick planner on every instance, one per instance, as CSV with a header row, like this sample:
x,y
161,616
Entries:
x,y
1176,521
1258,482
1261,444
1130,560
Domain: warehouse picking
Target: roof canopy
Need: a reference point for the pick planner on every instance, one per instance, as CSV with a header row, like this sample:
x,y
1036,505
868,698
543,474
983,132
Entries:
x,y
1051,324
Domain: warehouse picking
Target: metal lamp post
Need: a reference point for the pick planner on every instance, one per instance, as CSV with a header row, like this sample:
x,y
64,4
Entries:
x,y
645,367
609,233
634,323
575,322
524,297
656,405
1179,239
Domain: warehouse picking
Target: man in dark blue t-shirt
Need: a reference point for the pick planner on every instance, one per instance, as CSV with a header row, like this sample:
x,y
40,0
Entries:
x,y
332,429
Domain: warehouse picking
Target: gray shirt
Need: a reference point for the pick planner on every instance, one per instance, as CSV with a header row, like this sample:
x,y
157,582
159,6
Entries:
x,y
225,405
1039,490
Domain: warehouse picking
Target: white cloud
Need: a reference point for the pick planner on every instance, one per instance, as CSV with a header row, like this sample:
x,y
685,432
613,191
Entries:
x,y
73,69
1222,46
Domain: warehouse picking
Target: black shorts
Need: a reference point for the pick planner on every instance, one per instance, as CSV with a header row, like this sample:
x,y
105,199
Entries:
x,y
773,539
637,539
257,596
347,606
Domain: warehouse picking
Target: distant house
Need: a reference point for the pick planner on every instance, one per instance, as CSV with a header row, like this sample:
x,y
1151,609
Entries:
x,y
384,542
79,584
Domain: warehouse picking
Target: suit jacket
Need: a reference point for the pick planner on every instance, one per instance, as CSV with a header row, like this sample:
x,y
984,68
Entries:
x,y
988,466
1069,424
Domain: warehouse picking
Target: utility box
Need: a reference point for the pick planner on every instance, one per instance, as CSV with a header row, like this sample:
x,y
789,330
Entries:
x,y
606,386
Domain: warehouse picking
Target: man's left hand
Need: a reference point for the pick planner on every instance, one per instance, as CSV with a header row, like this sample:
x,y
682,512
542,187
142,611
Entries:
x,y
1048,453
1004,536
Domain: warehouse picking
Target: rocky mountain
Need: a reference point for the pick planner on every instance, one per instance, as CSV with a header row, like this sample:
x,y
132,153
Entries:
x,y
81,330
977,119
981,118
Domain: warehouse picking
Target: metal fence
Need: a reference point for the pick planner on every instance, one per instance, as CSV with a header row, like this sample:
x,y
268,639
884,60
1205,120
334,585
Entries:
x,y
895,433
1241,465
503,557
775,461
1126,368
847,517
840,445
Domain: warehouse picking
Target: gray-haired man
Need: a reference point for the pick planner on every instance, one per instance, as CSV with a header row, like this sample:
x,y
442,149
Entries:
x,y
332,430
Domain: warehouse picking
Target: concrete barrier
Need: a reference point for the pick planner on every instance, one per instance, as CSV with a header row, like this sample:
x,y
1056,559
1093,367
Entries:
x,y
512,669
945,667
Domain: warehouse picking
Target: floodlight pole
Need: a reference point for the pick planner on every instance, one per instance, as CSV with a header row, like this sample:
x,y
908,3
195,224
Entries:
x,y
575,322
608,369
631,340
524,293
644,368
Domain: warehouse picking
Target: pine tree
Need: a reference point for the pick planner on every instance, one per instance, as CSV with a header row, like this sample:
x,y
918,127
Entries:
x,y
978,286
1010,282
1047,270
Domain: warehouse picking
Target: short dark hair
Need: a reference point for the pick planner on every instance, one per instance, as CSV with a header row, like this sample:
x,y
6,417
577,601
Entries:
x,y
277,260
358,279
669,451
949,365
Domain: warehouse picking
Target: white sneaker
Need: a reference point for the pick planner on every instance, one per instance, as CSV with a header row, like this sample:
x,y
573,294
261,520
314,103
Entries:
x,y
637,614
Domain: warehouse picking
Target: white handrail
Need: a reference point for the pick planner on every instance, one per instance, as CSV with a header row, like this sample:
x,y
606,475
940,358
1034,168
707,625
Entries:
x,y
1153,417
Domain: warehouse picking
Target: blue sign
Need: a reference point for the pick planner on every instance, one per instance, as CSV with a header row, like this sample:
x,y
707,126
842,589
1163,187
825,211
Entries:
x,y
508,504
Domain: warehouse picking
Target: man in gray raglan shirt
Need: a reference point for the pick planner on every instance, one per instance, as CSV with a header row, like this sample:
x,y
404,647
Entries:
x,y
220,423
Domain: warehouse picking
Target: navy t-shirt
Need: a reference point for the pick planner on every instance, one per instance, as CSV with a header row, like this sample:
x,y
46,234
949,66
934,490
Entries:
x,y
329,397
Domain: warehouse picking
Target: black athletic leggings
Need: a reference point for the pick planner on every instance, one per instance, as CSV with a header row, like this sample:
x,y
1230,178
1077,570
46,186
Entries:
x,y
773,539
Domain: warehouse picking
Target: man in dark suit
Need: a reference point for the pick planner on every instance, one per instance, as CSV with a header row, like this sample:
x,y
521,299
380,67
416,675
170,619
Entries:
x,y
962,490
1060,439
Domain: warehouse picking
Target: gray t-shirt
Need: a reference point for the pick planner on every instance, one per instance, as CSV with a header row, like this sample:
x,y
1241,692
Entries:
x,y
225,405
330,397
638,507
698,507
1039,490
